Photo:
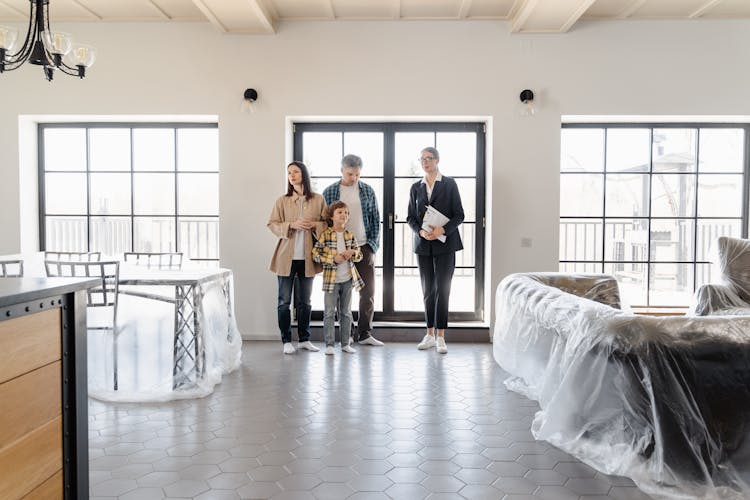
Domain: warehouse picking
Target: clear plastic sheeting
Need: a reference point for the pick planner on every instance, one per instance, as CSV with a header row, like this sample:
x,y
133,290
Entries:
x,y
662,400
732,295
177,345
153,362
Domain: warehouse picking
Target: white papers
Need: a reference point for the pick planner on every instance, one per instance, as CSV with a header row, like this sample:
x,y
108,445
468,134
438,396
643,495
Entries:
x,y
434,218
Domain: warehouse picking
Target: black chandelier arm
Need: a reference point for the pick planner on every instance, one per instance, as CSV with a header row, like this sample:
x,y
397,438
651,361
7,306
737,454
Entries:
x,y
15,65
45,18
35,47
15,60
68,70
23,53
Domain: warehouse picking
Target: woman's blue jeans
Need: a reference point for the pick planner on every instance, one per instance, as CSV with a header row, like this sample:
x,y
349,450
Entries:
x,y
302,291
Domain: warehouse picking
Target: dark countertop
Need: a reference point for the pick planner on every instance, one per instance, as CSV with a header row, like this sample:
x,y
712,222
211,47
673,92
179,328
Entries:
x,y
18,290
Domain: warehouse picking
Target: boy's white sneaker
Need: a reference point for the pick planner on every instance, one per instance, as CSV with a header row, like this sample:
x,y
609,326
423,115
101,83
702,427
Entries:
x,y
289,348
371,341
348,348
307,345
441,348
427,342
329,350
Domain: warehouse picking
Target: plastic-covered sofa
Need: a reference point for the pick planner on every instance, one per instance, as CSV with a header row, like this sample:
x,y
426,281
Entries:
x,y
732,295
662,400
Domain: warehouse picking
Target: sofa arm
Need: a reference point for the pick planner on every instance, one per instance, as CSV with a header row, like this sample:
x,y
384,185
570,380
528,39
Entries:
x,y
600,288
713,299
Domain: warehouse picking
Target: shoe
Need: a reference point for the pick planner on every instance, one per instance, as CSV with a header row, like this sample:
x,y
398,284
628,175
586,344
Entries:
x,y
307,345
289,348
427,342
348,348
329,350
441,348
371,341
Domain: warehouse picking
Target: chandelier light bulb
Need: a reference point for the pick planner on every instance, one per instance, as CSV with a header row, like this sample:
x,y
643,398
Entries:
x,y
82,55
57,42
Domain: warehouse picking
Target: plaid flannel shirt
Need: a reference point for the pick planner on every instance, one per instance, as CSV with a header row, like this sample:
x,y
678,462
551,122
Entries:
x,y
325,250
370,210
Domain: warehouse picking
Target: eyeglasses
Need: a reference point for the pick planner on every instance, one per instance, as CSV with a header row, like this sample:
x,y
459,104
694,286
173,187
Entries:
x,y
426,158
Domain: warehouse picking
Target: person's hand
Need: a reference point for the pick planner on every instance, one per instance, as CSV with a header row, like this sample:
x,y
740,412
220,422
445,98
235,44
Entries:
x,y
438,231
429,236
301,225
339,258
348,254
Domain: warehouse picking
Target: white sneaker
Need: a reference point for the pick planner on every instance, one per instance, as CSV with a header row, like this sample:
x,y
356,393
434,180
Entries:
x,y
329,350
427,342
307,345
371,341
348,348
441,347
289,348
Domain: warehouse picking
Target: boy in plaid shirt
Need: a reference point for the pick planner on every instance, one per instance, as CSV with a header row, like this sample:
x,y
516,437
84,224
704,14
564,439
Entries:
x,y
337,250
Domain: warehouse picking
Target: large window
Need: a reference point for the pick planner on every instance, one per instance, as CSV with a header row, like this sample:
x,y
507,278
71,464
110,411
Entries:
x,y
122,187
647,202
390,153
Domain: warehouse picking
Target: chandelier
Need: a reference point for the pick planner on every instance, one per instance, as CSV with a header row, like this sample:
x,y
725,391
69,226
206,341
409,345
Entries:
x,y
50,49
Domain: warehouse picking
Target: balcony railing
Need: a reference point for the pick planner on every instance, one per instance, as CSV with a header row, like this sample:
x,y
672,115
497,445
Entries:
x,y
581,240
198,237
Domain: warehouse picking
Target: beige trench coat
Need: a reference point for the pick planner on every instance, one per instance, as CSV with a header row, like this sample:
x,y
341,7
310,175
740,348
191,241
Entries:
x,y
286,210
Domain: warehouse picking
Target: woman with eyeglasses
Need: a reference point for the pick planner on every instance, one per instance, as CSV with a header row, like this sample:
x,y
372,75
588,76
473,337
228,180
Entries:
x,y
296,219
435,244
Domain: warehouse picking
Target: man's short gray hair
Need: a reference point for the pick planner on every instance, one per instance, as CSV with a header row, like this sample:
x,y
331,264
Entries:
x,y
353,161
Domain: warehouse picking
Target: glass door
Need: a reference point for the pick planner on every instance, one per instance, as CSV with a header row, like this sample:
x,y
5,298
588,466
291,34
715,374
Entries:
x,y
390,153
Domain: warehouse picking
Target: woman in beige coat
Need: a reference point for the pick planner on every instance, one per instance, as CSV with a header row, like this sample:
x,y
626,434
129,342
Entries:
x,y
297,218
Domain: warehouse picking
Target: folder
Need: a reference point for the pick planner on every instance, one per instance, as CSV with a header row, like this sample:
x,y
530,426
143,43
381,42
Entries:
x,y
433,217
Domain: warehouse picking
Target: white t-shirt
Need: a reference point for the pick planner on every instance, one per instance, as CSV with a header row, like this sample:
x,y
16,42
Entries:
x,y
356,224
299,238
299,246
343,272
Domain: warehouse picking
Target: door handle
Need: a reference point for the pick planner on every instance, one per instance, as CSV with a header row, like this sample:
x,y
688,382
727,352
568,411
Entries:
x,y
390,221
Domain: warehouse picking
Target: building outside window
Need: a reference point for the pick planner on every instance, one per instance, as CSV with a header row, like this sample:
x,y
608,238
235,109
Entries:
x,y
646,203
121,187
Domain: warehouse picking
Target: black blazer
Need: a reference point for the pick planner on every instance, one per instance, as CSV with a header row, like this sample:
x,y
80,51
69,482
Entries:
x,y
445,199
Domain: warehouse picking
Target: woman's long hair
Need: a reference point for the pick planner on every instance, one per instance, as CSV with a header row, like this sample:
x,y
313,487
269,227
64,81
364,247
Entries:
x,y
306,187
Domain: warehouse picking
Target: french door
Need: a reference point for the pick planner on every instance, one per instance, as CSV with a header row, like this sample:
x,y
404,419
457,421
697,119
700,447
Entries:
x,y
390,153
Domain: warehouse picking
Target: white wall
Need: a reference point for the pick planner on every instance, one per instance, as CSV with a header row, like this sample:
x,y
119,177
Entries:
x,y
390,69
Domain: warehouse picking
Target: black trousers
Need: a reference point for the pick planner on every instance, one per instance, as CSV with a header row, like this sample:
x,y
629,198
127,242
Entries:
x,y
366,270
436,272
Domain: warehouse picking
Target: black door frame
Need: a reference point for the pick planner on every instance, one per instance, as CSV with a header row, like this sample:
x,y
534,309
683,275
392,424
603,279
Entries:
x,y
389,129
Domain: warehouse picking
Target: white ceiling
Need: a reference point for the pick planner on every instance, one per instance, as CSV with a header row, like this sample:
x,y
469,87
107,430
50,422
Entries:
x,y
263,16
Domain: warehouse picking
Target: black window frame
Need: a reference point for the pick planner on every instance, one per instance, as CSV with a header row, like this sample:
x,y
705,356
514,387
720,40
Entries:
x,y
389,129
697,126
41,171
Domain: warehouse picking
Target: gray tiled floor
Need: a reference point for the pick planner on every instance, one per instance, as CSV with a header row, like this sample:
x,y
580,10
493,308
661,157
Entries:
x,y
389,422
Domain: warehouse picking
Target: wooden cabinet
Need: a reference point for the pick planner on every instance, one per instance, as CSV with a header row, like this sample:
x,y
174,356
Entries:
x,y
43,428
